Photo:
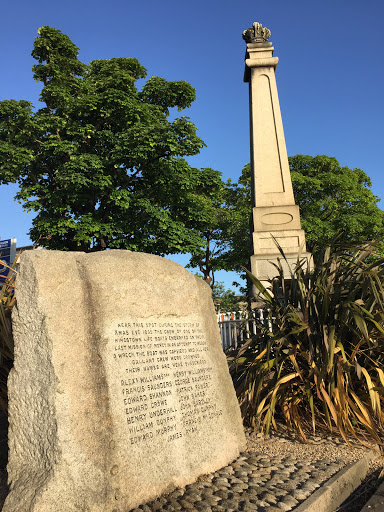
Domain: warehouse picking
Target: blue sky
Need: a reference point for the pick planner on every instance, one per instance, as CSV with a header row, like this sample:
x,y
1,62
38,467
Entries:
x,y
330,75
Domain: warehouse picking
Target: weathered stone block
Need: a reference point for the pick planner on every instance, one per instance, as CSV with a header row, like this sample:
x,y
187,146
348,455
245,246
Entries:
x,y
120,389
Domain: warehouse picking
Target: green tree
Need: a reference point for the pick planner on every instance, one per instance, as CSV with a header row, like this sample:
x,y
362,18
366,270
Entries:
x,y
101,163
332,199
209,256
226,234
237,233
224,299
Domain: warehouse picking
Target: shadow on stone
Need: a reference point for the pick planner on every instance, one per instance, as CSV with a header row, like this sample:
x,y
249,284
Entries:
x,y
3,457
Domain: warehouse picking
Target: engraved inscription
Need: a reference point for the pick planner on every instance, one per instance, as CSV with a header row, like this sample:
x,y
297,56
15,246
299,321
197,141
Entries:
x,y
165,378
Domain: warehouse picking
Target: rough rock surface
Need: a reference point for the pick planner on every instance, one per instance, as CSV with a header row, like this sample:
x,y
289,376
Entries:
x,y
120,390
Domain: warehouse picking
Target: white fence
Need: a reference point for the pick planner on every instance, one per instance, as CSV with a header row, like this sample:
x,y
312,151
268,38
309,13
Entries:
x,y
235,325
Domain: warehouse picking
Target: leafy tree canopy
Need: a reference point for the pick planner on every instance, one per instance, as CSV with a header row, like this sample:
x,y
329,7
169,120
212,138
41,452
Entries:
x,y
101,162
331,198
208,257
334,198
226,234
224,299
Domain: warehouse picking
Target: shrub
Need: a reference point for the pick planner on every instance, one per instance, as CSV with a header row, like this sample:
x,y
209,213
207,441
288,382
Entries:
x,y
319,363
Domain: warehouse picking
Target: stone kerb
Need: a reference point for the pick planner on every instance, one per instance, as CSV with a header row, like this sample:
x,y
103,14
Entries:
x,y
120,390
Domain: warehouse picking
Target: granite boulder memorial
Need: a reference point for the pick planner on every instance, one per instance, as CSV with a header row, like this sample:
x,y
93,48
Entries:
x,y
120,389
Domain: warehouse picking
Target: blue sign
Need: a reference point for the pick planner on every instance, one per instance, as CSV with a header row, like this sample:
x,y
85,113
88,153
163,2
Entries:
x,y
7,253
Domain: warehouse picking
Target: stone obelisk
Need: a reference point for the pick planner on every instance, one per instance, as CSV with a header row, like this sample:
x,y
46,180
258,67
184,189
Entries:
x,y
274,212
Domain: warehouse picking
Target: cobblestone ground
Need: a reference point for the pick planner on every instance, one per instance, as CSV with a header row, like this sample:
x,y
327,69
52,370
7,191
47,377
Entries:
x,y
251,483
274,475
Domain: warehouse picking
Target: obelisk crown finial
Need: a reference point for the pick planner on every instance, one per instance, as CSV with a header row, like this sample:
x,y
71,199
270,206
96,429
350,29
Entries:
x,y
256,34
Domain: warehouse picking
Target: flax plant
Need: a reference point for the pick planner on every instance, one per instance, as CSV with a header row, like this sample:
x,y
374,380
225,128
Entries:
x,y
7,301
318,363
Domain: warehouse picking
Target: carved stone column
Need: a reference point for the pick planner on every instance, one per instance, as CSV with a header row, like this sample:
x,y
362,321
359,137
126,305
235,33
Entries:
x,y
274,212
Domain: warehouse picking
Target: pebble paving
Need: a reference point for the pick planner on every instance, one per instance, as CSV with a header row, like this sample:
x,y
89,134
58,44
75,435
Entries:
x,y
254,482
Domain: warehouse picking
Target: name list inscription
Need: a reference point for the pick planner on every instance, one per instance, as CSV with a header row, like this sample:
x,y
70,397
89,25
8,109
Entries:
x,y
165,378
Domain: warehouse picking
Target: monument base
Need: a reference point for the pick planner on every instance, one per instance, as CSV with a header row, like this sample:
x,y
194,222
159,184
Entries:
x,y
291,241
263,266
